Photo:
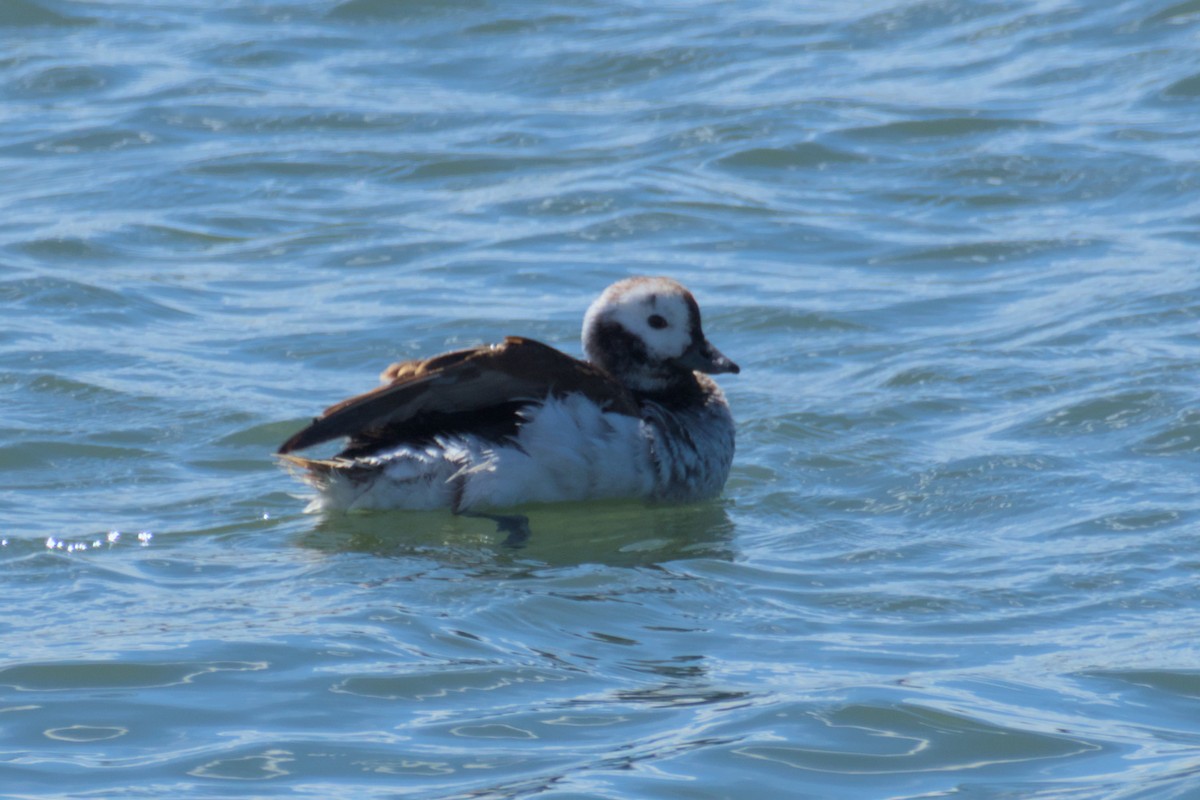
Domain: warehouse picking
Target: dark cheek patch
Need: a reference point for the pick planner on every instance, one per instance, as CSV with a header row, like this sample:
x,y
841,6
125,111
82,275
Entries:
x,y
620,351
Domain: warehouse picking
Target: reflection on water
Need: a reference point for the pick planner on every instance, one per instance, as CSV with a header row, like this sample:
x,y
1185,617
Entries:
x,y
616,534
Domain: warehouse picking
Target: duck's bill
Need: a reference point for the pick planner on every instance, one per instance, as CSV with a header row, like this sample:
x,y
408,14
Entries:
x,y
708,359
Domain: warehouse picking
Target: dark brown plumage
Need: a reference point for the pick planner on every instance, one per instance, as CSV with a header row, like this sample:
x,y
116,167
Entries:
x,y
477,389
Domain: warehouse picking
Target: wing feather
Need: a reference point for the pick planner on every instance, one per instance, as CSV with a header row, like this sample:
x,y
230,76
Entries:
x,y
478,382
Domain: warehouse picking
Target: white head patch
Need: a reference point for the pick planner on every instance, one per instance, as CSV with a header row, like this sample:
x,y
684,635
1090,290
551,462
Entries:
x,y
659,312
640,329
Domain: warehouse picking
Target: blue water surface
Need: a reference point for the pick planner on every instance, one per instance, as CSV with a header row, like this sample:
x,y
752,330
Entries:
x,y
952,245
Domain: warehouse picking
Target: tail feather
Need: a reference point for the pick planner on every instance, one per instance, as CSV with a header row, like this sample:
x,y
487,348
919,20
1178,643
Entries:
x,y
319,472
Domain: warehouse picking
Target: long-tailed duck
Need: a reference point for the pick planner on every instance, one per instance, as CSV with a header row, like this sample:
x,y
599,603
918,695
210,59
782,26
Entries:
x,y
520,422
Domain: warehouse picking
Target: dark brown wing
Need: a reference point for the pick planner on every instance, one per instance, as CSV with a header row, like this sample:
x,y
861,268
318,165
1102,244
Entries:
x,y
462,391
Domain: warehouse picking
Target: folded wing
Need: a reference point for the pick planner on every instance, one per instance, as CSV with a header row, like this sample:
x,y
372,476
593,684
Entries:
x,y
479,390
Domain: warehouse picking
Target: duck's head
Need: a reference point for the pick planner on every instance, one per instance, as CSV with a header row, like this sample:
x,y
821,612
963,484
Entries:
x,y
646,333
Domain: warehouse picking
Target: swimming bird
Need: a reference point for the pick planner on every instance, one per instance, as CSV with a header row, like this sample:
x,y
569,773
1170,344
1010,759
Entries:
x,y
520,422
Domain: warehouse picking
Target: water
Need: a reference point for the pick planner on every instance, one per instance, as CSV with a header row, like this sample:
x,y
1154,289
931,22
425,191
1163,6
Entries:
x,y
952,245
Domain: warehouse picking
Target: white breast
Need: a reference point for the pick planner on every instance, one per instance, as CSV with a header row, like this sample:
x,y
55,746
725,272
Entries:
x,y
568,449
692,449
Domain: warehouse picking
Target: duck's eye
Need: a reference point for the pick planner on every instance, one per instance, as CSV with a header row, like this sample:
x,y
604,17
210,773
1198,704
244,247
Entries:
x,y
656,321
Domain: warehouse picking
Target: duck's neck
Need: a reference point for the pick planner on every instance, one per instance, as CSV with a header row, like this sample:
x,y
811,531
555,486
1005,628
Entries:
x,y
684,389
